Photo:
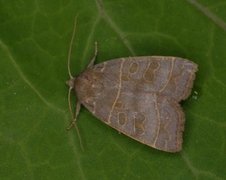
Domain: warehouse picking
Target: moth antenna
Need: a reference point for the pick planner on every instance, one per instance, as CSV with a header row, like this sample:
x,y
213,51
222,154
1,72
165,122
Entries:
x,y
91,63
70,48
74,116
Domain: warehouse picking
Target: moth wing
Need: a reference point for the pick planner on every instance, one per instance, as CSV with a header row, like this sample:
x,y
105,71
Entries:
x,y
165,75
139,97
150,119
168,76
176,76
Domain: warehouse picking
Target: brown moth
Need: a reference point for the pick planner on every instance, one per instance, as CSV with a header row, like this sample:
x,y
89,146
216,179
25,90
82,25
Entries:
x,y
138,96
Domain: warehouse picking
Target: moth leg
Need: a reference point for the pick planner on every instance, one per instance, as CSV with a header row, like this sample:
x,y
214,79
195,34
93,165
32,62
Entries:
x,y
91,63
78,107
73,124
74,115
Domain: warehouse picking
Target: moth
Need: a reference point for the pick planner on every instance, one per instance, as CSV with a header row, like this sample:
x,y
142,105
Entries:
x,y
138,96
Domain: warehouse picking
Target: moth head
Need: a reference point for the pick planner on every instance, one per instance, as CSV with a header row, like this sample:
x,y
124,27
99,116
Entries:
x,y
71,82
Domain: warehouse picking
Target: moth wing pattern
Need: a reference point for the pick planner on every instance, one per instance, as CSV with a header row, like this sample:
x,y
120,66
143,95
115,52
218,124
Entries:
x,y
139,96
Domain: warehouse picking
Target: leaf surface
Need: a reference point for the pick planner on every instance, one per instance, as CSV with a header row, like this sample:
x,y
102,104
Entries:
x,y
34,42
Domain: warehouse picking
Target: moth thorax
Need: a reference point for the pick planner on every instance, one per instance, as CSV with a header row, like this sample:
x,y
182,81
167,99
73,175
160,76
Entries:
x,y
88,86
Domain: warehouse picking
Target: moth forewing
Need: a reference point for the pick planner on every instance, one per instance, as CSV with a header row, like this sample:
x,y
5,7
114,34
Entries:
x,y
139,96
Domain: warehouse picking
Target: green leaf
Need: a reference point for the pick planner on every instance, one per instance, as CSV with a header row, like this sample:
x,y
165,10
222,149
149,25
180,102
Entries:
x,y
34,42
